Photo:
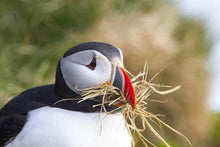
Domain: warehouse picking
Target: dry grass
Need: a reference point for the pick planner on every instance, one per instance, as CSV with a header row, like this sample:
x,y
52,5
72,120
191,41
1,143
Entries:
x,y
143,90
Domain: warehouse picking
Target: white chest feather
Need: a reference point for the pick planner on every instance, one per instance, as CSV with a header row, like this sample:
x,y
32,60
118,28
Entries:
x,y
54,127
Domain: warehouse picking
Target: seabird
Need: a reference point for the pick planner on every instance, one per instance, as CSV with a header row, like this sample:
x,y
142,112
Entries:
x,y
34,119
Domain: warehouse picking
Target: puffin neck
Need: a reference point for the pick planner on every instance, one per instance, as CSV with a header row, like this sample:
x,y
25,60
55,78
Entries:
x,y
61,89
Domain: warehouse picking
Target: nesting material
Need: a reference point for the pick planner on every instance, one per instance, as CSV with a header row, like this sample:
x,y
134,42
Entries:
x,y
143,90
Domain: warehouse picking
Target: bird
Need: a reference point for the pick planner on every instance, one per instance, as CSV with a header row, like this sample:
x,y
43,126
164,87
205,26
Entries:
x,y
34,119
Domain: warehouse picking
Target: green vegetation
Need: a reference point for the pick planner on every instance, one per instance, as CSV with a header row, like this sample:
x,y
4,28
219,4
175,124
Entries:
x,y
33,36
216,131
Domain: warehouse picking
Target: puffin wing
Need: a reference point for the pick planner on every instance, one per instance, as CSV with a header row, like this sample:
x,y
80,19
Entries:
x,y
12,119
13,114
10,126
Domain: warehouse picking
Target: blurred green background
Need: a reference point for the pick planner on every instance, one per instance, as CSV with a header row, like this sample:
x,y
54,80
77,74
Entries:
x,y
35,34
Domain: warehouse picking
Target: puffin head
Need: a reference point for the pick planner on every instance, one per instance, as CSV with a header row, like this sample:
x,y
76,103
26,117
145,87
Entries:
x,y
90,64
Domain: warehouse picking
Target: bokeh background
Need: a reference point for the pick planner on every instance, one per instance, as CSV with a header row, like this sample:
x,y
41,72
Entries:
x,y
35,34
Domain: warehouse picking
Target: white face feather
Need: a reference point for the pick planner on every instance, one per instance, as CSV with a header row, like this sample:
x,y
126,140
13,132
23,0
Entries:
x,y
75,70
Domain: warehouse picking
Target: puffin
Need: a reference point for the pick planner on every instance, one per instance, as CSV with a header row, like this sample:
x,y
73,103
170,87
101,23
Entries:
x,y
41,117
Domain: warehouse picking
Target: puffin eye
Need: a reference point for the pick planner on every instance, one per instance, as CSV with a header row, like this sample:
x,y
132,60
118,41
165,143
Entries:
x,y
92,64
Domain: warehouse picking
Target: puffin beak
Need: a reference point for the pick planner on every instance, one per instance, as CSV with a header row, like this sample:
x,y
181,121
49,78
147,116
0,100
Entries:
x,y
123,82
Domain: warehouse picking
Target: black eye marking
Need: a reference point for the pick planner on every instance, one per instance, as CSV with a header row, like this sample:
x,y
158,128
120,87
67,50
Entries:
x,y
92,64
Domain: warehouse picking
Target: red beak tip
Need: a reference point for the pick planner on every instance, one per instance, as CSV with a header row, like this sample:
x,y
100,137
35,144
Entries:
x,y
133,104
